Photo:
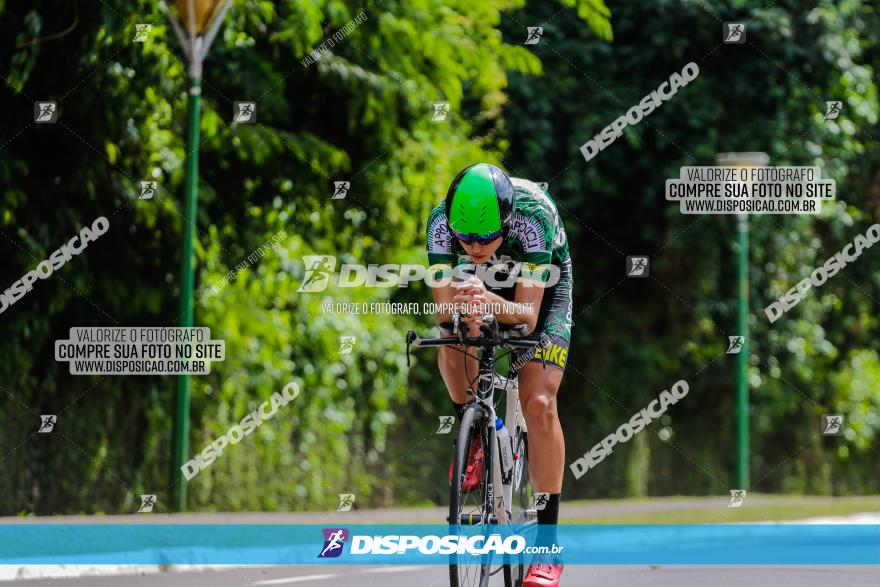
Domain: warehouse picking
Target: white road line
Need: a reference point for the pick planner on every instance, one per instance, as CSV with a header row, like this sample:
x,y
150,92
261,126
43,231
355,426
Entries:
x,y
395,569
294,579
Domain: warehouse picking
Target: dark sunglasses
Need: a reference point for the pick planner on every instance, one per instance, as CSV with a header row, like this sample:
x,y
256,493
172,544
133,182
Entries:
x,y
470,239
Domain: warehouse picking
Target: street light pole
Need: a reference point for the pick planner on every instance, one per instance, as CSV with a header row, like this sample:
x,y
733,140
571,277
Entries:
x,y
742,359
752,159
198,14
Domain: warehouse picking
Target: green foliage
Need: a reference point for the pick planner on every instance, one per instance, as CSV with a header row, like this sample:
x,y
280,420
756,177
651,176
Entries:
x,y
364,423
361,113
635,337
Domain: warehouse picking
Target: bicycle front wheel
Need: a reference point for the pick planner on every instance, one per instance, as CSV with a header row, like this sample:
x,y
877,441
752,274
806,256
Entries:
x,y
468,507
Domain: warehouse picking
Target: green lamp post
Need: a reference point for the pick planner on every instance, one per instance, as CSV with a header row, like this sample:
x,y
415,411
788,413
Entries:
x,y
751,159
202,20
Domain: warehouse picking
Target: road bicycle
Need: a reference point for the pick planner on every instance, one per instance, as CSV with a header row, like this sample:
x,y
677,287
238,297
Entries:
x,y
485,506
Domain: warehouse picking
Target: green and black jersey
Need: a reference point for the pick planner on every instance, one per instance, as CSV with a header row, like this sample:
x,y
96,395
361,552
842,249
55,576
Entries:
x,y
534,236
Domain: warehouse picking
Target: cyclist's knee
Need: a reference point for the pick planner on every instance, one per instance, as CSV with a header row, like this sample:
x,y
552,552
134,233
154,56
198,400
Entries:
x,y
539,408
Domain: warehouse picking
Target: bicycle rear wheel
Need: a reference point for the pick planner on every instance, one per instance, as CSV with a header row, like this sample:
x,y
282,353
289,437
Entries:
x,y
522,500
467,570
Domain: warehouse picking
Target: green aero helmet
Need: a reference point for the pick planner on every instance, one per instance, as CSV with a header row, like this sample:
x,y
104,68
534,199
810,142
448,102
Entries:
x,y
479,203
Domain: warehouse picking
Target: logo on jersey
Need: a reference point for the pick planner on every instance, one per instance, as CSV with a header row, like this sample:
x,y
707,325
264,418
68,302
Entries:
x,y
553,353
334,541
529,232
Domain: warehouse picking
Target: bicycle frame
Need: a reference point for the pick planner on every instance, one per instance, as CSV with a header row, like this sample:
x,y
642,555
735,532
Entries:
x,y
515,423
488,380
483,407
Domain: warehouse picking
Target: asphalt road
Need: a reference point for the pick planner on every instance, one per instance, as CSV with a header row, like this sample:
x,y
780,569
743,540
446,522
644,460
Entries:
x,y
433,576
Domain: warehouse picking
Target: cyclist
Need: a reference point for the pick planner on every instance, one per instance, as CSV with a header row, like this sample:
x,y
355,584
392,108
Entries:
x,y
511,225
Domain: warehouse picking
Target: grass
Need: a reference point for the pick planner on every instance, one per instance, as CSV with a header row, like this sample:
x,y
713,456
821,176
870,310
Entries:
x,y
687,510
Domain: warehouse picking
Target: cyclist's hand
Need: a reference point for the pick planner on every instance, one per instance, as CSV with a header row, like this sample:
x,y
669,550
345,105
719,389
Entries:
x,y
472,292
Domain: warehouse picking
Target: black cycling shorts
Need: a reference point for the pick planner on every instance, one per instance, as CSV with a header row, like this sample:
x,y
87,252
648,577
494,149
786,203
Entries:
x,y
553,327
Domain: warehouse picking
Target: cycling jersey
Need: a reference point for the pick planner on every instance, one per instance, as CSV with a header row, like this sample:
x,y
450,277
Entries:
x,y
534,236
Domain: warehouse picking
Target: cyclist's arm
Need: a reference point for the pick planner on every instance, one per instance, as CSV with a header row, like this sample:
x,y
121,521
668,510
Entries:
x,y
524,308
443,298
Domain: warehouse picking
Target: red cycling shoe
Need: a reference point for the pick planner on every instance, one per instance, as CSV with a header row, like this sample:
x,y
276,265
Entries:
x,y
474,471
543,574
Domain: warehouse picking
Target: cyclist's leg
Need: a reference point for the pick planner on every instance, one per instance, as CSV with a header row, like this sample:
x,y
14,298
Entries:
x,y
537,391
540,374
456,373
538,387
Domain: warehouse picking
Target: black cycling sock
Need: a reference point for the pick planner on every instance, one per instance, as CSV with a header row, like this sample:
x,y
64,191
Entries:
x,y
548,518
550,513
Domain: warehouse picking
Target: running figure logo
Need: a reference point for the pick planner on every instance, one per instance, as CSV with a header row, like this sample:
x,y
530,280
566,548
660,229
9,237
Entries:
x,y
346,500
737,497
148,189
318,271
544,185
832,425
440,111
45,112
446,423
541,501
735,344
47,424
734,33
346,344
340,189
245,112
147,503
534,35
832,109
141,32
636,266
334,541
